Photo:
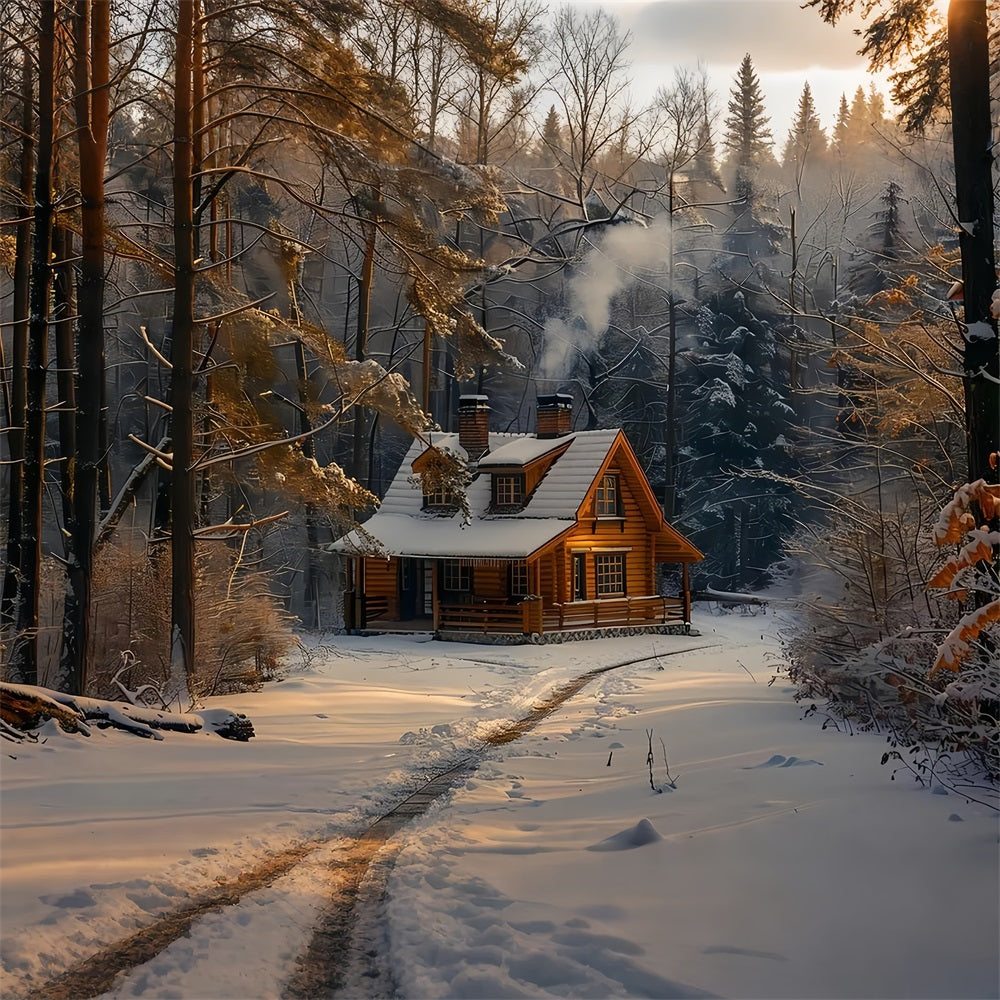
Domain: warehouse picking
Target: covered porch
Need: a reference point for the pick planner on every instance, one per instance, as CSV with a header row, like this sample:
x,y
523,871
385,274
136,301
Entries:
x,y
492,596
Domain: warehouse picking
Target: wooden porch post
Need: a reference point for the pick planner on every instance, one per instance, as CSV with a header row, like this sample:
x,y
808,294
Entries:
x,y
360,604
348,598
687,594
536,589
434,594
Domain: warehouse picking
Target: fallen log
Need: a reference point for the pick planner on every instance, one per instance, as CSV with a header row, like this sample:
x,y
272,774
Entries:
x,y
24,707
728,597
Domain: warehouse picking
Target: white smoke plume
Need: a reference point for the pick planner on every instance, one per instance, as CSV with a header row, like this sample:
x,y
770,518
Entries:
x,y
616,260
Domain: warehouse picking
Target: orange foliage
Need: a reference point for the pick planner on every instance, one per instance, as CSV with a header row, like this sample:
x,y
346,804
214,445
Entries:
x,y
955,518
955,647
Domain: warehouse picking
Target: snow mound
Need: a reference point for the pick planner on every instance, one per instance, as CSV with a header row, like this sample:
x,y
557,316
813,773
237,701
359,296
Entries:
x,y
635,836
780,760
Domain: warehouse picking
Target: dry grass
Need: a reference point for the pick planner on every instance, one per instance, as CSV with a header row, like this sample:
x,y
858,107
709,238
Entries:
x,y
242,631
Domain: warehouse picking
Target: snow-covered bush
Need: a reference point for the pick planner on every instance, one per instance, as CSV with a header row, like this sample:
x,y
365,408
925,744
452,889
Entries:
x,y
919,663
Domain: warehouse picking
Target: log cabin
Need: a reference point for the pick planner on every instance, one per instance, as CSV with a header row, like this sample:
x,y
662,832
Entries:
x,y
560,535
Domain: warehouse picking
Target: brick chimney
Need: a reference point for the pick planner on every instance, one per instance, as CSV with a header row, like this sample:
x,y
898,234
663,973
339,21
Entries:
x,y
474,425
554,415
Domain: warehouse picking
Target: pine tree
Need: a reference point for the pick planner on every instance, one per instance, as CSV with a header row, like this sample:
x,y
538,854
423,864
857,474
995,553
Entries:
x,y
842,127
749,141
806,138
551,130
875,271
551,134
747,134
704,168
738,428
876,107
858,130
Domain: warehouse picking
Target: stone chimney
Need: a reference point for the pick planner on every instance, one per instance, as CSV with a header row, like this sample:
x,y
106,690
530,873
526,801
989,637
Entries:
x,y
555,415
474,425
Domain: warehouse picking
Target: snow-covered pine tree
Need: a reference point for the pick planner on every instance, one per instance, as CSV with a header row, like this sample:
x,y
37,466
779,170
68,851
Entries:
x,y
738,428
879,265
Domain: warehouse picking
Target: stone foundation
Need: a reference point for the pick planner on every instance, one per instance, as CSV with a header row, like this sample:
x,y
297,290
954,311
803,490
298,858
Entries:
x,y
568,635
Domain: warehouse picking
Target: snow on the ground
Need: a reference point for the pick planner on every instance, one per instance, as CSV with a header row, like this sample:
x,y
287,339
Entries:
x,y
783,864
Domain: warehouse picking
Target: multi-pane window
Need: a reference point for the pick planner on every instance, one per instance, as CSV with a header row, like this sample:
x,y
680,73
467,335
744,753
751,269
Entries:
x,y
608,497
508,490
518,579
440,498
456,577
609,575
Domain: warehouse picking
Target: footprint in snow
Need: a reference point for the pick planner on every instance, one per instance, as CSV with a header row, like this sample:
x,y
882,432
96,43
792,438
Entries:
x,y
778,760
78,900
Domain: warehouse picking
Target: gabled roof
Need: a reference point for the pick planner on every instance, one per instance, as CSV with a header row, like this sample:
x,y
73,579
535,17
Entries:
x,y
402,527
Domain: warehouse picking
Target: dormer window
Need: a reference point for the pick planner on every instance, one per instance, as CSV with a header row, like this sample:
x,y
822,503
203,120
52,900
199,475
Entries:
x,y
508,490
608,498
441,499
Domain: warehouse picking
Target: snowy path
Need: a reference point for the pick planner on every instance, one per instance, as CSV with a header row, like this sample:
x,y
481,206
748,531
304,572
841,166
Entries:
x,y
338,956
785,864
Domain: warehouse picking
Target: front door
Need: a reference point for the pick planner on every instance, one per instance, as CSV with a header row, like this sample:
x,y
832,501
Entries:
x,y
411,589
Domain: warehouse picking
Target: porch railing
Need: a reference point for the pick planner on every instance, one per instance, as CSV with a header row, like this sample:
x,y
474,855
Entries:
x,y
359,609
530,617
611,612
492,616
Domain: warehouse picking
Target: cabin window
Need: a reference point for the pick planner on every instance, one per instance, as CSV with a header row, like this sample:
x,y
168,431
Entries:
x,y
518,582
456,577
440,499
508,490
607,500
609,575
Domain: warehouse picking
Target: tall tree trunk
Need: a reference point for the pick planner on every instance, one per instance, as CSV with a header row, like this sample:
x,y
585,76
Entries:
x,y
19,353
182,492
971,135
309,450
64,319
24,654
358,462
92,36
670,456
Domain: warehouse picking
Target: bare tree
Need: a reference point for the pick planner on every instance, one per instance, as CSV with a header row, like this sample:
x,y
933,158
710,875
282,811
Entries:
x,y
591,85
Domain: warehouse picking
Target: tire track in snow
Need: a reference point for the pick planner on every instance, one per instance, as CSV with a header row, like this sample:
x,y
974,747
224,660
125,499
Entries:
x,y
337,949
343,958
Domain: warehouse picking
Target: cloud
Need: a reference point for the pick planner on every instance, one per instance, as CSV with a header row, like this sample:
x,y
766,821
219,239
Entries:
x,y
778,34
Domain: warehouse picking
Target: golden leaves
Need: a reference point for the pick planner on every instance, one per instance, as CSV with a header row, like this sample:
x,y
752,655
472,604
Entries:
x,y
956,519
957,644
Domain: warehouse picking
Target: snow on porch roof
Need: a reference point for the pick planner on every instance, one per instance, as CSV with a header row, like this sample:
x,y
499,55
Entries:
x,y
431,537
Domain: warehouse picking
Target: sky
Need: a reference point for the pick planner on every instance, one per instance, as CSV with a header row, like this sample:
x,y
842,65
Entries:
x,y
777,860
789,46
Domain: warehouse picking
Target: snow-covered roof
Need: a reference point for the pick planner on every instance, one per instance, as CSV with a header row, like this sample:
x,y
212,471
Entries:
x,y
522,450
403,527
